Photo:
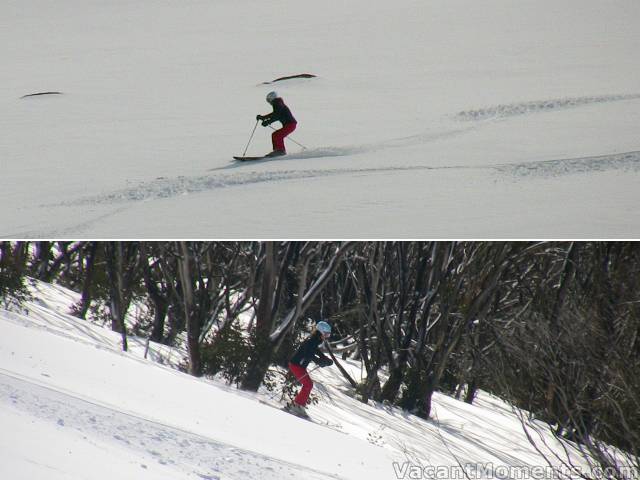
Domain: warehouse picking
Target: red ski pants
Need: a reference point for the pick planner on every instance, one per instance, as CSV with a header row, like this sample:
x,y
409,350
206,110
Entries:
x,y
303,377
277,137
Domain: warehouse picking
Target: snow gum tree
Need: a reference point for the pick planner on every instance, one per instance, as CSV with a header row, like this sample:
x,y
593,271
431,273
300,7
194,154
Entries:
x,y
205,276
122,260
13,263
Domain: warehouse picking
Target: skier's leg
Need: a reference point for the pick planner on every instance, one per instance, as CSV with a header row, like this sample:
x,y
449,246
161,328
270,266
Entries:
x,y
277,137
303,397
303,377
276,140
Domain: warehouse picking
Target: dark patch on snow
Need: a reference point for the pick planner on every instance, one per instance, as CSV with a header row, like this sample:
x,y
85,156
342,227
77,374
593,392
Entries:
x,y
40,94
300,75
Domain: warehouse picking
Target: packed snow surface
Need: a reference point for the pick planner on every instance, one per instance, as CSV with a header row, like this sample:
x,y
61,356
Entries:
x,y
74,406
427,119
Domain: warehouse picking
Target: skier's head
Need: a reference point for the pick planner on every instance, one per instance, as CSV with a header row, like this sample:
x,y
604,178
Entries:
x,y
271,96
324,328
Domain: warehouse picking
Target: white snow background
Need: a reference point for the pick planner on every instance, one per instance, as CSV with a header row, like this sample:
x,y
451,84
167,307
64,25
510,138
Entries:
x,y
73,406
428,118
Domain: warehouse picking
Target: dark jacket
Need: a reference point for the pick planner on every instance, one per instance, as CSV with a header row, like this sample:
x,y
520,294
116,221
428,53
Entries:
x,y
308,351
281,113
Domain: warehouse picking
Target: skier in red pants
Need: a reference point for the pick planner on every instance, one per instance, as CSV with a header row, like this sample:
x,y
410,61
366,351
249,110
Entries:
x,y
307,352
282,114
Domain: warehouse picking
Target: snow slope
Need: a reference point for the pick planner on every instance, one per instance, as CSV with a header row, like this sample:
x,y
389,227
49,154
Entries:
x,y
73,406
437,118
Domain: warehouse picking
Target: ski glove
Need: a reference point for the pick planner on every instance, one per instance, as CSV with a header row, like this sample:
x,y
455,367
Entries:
x,y
326,363
265,123
259,117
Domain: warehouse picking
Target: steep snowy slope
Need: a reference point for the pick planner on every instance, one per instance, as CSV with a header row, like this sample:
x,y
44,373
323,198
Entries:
x,y
73,406
447,118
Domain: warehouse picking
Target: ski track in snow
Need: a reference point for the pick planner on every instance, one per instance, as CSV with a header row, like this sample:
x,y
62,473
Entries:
x,y
238,174
154,442
173,187
627,161
162,187
538,106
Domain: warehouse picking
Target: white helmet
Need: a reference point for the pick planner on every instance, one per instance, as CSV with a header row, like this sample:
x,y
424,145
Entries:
x,y
324,328
271,96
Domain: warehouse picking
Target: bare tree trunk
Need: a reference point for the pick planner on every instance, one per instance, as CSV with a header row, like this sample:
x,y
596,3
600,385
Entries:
x,y
122,267
372,326
398,363
472,390
263,348
193,323
85,299
160,300
344,373
41,260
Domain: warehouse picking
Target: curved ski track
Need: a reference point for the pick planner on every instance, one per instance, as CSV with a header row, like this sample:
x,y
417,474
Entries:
x,y
539,106
239,175
173,187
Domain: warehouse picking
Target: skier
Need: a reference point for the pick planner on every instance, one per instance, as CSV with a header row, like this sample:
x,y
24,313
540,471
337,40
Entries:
x,y
282,114
306,353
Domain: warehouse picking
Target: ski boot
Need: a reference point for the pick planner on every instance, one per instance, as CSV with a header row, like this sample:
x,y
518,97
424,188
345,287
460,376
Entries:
x,y
297,410
276,153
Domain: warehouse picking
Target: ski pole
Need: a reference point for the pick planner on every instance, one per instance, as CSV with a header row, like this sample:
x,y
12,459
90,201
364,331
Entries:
x,y
307,374
299,144
250,138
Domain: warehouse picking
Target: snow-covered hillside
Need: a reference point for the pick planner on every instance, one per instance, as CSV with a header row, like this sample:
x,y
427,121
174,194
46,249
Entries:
x,y
73,406
436,118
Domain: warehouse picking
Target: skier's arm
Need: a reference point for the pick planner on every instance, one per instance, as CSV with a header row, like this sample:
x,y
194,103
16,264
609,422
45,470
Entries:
x,y
321,359
275,116
266,119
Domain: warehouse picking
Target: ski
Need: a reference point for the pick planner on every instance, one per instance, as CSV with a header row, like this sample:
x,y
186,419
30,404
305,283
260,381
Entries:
x,y
248,159
263,157
287,409
323,423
